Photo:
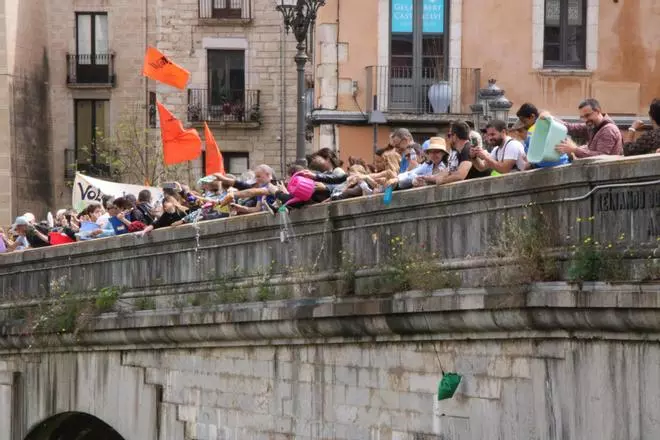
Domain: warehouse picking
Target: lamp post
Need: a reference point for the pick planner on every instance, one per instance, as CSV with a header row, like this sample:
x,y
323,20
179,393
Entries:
x,y
298,15
500,109
492,104
376,117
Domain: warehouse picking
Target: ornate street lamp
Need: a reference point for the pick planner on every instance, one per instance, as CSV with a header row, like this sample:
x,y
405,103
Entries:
x,y
492,103
298,16
499,109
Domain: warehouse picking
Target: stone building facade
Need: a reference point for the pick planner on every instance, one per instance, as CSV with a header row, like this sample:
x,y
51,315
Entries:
x,y
70,71
556,53
25,173
248,53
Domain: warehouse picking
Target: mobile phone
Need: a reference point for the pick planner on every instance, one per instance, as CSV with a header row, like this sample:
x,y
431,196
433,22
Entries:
x,y
169,185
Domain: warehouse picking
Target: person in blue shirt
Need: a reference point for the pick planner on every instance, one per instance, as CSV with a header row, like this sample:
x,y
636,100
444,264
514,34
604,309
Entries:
x,y
438,155
528,115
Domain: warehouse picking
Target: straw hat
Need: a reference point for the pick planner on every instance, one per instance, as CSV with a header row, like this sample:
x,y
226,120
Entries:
x,y
437,144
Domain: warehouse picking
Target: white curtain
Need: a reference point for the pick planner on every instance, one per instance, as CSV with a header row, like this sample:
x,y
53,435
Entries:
x,y
84,39
101,39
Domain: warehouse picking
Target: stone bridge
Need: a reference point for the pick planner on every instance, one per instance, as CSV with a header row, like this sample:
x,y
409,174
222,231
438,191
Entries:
x,y
338,325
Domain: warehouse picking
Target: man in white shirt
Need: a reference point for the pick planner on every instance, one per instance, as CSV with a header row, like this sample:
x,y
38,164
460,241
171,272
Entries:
x,y
508,154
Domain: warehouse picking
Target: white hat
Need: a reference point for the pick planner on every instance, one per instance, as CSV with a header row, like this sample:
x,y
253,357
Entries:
x,y
30,217
21,221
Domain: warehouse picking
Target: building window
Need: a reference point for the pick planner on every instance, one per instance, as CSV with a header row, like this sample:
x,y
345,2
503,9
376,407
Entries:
x,y
565,33
418,48
93,56
153,110
226,73
92,124
235,163
222,8
224,98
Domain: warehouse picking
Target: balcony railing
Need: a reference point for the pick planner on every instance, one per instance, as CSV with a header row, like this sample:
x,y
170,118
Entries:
x,y
422,91
91,69
71,166
223,105
226,9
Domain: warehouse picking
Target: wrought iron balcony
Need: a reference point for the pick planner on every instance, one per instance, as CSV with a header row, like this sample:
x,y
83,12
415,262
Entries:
x,y
221,105
71,166
226,9
91,70
422,91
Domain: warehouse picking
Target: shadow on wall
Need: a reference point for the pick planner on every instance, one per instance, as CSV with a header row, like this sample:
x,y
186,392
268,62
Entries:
x,y
31,146
73,425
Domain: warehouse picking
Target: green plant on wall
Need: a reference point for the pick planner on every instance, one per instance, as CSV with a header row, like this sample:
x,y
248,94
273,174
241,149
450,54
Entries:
x,y
520,244
411,267
595,261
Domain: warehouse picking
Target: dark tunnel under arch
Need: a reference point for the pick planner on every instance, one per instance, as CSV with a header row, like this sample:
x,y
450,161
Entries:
x,y
73,426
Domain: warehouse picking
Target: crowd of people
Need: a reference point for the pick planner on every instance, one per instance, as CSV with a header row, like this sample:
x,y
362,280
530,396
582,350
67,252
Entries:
x,y
463,154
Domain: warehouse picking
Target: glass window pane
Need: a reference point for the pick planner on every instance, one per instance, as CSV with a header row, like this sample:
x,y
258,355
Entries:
x,y
237,165
575,12
84,132
552,12
551,35
575,45
102,118
551,53
84,37
402,45
101,38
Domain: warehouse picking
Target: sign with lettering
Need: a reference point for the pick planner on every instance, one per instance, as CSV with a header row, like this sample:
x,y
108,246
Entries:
x,y
628,200
88,190
433,16
634,209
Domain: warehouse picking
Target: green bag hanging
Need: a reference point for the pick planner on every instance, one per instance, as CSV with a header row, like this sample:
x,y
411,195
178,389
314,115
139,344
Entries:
x,y
448,385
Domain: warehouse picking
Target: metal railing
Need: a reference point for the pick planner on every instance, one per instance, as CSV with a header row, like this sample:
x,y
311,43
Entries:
x,y
224,105
226,9
91,69
422,90
71,166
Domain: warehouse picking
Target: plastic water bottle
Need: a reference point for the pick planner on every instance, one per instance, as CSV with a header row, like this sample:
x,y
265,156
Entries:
x,y
387,199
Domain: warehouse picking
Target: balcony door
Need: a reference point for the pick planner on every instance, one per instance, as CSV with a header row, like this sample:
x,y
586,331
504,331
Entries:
x,y
92,52
418,48
226,86
92,124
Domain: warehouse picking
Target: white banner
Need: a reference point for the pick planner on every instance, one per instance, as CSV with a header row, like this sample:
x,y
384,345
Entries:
x,y
88,190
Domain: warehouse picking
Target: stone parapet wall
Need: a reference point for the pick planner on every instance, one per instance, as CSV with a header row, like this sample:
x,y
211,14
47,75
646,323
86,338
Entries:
x,y
595,200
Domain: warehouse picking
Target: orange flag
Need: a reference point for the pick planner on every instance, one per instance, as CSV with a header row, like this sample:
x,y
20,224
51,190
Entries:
x,y
214,162
179,144
158,67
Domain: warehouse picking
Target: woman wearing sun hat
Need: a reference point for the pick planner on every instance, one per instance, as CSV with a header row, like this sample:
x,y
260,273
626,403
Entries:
x,y
437,154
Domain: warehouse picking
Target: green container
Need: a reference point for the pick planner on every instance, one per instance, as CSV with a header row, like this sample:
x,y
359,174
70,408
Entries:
x,y
448,385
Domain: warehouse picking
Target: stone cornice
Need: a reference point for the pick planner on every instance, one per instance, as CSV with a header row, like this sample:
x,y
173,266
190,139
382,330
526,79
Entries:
x,y
549,310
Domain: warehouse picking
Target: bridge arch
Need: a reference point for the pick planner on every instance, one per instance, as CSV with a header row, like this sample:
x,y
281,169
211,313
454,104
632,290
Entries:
x,y
73,426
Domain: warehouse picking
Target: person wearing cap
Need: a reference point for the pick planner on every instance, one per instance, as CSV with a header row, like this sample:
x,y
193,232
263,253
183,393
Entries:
x,y
20,227
37,234
438,154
